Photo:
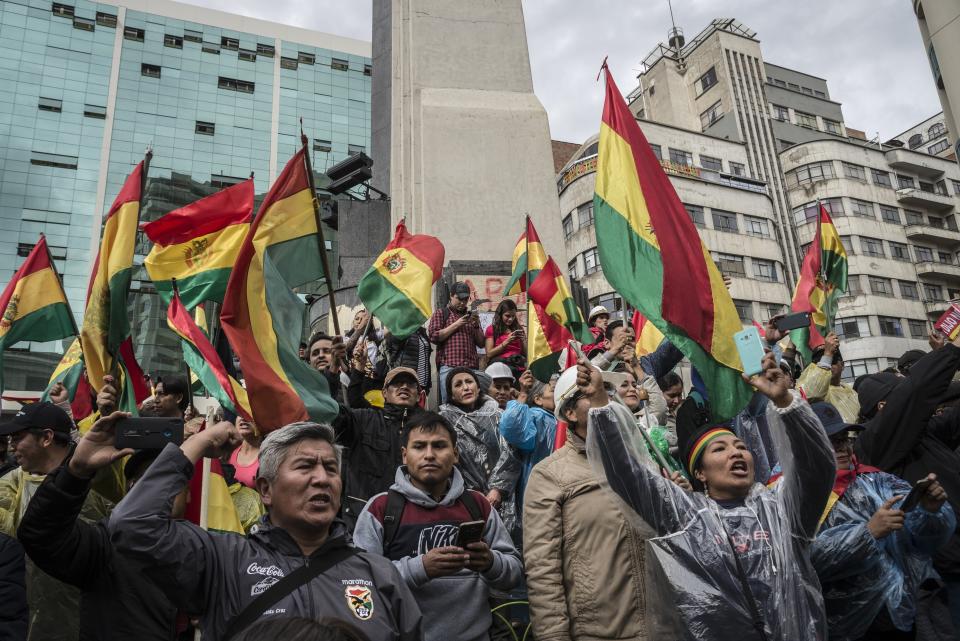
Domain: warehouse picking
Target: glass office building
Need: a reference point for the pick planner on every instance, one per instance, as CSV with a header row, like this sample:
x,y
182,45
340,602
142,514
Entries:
x,y
87,87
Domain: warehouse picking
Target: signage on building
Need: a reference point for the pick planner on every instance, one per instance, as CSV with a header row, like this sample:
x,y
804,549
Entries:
x,y
589,165
486,292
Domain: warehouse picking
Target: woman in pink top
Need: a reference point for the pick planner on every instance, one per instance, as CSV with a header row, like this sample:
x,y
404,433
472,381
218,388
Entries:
x,y
506,340
245,458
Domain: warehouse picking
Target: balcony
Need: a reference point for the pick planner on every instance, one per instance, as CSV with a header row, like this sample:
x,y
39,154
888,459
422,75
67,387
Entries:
x,y
942,270
930,234
916,162
917,198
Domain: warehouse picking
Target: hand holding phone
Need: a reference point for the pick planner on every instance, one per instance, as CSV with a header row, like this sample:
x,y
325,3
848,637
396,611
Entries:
x,y
750,349
793,321
148,433
916,493
470,532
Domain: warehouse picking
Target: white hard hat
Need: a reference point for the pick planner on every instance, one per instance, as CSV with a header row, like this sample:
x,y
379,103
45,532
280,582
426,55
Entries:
x,y
597,311
499,370
566,387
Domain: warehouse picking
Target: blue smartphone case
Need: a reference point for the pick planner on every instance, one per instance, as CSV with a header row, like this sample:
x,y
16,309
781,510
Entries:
x,y
751,350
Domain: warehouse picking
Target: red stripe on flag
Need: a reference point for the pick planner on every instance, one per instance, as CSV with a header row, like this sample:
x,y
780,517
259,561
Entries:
x,y
37,260
684,269
230,206
130,192
141,391
427,248
532,236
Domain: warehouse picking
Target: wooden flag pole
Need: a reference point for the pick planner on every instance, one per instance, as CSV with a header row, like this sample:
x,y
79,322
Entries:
x,y
320,240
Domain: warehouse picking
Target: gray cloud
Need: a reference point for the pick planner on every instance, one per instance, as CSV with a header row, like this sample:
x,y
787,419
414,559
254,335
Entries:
x,y
869,51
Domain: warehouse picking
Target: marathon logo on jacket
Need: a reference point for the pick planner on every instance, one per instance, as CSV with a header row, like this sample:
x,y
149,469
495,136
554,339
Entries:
x,y
359,599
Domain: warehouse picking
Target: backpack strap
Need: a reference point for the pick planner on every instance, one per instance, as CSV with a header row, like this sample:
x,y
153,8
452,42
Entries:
x,y
391,516
470,502
296,579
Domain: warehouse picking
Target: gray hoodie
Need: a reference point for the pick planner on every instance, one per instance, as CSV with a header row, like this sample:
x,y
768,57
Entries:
x,y
219,574
455,606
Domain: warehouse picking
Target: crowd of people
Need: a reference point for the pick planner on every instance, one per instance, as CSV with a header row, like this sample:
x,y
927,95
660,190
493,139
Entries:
x,y
468,500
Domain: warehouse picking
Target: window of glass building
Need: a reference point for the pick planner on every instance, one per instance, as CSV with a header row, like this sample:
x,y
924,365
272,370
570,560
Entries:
x,y
232,84
339,64
908,290
681,157
367,70
853,171
707,80
266,50
853,327
881,178
871,247
150,71
323,146
247,55
62,10
880,286
765,270
134,34
220,181
899,251
106,19
305,58
84,24
724,220
861,208
95,111
192,36
711,115
696,214
730,265
53,160
591,261
356,149
231,44
210,47
890,326
890,214
174,42
205,128
738,169
711,163
288,63
50,104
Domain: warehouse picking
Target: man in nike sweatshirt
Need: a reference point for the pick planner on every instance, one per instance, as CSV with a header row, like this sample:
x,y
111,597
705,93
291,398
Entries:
x,y
416,524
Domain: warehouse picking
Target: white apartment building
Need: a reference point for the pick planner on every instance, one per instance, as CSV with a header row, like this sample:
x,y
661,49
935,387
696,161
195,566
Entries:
x,y
733,212
929,136
895,210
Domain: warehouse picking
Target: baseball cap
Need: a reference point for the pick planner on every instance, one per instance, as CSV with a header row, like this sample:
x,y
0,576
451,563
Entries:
x,y
44,415
499,370
400,371
460,290
832,422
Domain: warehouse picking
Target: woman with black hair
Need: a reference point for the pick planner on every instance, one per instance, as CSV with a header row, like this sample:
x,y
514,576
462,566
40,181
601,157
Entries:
x,y
505,339
486,461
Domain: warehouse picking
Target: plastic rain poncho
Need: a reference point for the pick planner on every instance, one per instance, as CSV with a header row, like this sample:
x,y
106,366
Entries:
x,y
693,587
859,574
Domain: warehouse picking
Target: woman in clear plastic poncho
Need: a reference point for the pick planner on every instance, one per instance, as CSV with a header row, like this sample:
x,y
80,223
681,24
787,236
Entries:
x,y
731,562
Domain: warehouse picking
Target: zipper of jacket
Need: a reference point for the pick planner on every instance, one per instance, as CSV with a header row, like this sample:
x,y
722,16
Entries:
x,y
311,605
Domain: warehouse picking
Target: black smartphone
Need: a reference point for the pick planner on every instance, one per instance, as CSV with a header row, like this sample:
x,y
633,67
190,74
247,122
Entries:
x,y
148,433
470,532
913,498
793,321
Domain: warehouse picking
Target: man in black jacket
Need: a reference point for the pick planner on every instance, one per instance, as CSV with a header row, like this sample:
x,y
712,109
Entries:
x,y
13,591
118,602
372,437
903,436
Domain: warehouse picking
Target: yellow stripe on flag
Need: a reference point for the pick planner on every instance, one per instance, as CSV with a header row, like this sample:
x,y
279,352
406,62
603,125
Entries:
x,y
536,257
217,250
723,348
410,279
619,186
32,292
120,243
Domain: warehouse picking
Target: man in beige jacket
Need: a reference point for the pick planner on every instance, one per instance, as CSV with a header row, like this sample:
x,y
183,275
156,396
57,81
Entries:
x,y
584,562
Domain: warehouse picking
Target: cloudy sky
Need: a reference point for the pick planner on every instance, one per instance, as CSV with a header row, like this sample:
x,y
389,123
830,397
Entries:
x,y
869,51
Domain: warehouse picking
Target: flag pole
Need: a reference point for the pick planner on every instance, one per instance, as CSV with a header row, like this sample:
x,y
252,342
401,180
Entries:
x,y
320,241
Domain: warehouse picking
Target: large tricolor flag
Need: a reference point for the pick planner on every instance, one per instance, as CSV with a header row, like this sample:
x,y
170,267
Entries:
x,y
221,513
263,318
652,255
823,276
198,244
33,304
528,259
396,289
70,373
106,324
647,334
203,361
553,319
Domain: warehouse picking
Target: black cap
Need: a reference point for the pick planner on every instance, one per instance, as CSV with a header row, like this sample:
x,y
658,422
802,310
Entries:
x,y
831,420
460,290
873,388
908,358
43,415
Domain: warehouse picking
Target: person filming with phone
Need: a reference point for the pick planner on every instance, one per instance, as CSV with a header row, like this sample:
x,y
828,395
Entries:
x,y
456,333
448,543
874,550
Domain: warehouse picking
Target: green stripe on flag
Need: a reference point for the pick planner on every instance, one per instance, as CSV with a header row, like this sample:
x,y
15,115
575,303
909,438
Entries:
x,y
389,304
208,285
118,328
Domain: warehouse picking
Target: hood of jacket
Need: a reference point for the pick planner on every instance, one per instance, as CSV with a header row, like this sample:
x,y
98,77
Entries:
x,y
417,496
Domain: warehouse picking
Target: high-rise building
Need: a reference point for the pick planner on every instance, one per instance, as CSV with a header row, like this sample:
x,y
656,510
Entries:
x,y
733,213
929,136
939,22
88,86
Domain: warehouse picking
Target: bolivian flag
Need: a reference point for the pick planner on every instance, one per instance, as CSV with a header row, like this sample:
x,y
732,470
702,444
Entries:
x,y
69,371
202,359
823,276
106,324
263,318
34,305
198,244
553,319
652,255
221,512
528,258
648,336
396,289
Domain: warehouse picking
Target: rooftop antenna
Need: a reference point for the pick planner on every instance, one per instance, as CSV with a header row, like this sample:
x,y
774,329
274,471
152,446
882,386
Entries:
x,y
675,38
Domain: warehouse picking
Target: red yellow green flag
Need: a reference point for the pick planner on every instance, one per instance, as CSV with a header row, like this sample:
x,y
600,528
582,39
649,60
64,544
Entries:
x,y
70,372
823,276
553,319
397,287
263,318
202,359
106,324
198,244
33,304
221,513
652,255
648,336
528,259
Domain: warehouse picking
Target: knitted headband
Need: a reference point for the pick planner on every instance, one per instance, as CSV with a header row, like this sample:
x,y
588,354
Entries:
x,y
701,444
